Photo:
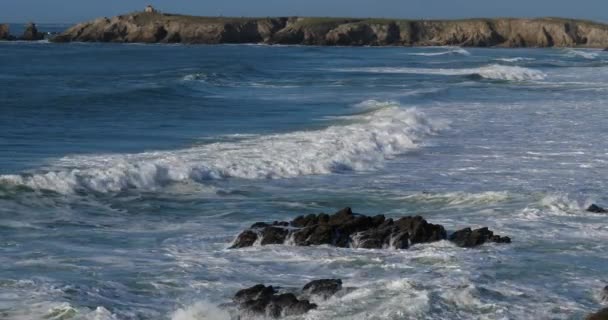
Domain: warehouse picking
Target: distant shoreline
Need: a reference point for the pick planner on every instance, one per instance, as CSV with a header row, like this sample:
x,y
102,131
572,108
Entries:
x,y
141,27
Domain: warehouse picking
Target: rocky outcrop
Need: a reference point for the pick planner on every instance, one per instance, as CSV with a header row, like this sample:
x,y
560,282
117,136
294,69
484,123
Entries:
x,y
503,32
31,33
594,208
5,32
471,238
600,315
267,301
346,229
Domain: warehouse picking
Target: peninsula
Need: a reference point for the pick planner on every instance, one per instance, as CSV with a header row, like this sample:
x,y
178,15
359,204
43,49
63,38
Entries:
x,y
155,27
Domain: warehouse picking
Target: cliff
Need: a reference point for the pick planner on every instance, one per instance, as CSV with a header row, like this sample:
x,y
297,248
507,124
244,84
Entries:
x,y
503,32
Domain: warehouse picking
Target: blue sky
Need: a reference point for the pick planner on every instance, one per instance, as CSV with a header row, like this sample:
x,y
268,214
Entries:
x,y
69,11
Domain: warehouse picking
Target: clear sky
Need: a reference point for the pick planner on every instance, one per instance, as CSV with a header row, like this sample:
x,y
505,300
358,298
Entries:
x,y
69,11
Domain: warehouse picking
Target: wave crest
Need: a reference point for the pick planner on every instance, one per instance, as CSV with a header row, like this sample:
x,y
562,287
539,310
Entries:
x,y
491,72
452,51
362,145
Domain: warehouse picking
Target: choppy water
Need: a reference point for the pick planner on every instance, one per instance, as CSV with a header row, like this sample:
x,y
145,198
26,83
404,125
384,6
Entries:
x,y
126,171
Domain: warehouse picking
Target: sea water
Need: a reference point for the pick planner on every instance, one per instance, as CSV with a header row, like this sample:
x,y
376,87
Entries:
x,y
127,170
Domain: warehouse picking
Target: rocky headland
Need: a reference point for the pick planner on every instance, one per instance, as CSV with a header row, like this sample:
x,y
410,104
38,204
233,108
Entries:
x,y
154,27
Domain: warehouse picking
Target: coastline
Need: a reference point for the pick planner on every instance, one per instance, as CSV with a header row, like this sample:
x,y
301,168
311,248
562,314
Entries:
x,y
143,27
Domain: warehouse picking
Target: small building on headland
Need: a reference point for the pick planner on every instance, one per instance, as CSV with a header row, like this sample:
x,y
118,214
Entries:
x,y
150,9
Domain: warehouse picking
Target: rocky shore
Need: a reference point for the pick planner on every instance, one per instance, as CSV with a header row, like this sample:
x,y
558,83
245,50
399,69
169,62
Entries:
x,y
501,32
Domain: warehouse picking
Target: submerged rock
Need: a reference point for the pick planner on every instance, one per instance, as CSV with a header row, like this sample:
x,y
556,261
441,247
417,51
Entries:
x,y
600,315
347,229
596,209
472,238
31,33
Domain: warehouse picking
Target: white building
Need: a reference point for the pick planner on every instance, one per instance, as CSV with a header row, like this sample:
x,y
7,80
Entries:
x,y
150,9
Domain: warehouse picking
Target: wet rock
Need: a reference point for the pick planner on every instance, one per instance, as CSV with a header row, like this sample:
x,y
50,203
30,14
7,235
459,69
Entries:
x,y
596,209
261,300
600,315
274,235
256,292
471,238
604,295
246,239
323,288
346,229
31,33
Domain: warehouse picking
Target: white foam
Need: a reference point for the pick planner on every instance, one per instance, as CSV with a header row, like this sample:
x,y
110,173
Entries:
x,y
452,51
515,59
362,145
586,54
200,311
460,198
492,72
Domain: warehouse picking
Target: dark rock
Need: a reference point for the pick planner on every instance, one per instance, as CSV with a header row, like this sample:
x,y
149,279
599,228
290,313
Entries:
x,y
31,33
471,238
256,292
604,295
346,229
287,304
246,239
274,235
420,231
600,315
596,209
323,288
261,300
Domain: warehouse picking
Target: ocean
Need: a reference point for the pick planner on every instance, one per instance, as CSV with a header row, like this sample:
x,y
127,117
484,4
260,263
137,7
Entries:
x,y
127,170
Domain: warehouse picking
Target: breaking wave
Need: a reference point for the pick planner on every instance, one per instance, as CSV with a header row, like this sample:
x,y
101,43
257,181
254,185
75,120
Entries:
x,y
585,54
363,144
491,72
452,51
515,59
460,198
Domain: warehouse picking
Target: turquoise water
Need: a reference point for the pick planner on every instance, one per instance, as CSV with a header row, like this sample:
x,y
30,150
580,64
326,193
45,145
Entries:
x,y
127,170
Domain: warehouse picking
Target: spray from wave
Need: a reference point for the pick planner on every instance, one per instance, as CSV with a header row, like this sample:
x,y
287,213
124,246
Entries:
x,y
491,72
364,144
